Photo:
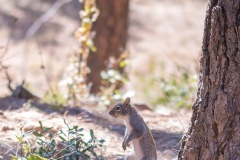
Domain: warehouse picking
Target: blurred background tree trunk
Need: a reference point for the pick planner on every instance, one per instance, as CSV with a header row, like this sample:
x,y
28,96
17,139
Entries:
x,y
111,37
215,124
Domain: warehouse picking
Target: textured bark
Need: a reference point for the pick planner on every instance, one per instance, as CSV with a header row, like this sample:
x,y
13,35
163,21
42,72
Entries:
x,y
214,133
111,37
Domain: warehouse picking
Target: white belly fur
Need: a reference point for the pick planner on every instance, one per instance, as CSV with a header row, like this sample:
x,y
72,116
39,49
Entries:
x,y
137,150
127,124
136,145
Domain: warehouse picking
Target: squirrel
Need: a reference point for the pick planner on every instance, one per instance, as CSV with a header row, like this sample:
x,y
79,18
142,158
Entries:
x,y
136,131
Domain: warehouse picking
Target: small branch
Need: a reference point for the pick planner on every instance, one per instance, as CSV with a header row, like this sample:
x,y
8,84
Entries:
x,y
45,74
5,49
4,52
9,81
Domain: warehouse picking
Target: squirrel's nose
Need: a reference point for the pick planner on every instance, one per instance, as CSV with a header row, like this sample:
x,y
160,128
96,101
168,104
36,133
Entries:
x,y
111,113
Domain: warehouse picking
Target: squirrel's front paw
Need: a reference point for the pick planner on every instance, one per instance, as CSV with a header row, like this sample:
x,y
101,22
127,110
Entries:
x,y
125,145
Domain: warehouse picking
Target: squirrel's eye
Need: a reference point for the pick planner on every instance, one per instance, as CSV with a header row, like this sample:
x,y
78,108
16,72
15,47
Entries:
x,y
118,108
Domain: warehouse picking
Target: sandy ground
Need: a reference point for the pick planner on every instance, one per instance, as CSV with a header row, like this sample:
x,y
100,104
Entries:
x,y
16,113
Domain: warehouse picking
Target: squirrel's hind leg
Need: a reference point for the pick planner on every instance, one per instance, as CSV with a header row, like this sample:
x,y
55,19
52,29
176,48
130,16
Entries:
x,y
147,158
129,157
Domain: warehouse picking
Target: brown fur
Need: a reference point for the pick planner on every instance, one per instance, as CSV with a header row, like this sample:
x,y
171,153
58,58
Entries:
x,y
136,131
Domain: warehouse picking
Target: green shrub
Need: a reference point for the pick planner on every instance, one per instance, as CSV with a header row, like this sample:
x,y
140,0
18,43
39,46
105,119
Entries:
x,y
178,91
113,79
70,145
171,90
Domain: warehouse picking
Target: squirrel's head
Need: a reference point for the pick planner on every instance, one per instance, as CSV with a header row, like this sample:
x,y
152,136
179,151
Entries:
x,y
120,109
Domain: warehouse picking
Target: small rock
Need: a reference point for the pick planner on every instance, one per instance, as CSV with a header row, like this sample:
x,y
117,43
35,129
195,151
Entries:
x,y
37,128
6,128
143,107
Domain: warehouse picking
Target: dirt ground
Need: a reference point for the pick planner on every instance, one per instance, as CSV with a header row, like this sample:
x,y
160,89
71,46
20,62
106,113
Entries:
x,y
165,32
16,113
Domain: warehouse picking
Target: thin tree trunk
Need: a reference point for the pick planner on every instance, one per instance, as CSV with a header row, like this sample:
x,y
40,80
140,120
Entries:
x,y
111,37
214,133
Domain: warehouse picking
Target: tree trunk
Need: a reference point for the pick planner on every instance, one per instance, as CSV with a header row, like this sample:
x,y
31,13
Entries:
x,y
111,37
214,133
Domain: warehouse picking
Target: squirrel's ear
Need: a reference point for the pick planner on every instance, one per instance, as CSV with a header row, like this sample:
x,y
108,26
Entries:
x,y
127,101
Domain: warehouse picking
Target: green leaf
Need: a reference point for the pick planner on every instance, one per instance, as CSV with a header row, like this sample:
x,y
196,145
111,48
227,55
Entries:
x,y
123,63
63,139
94,153
50,135
40,123
93,48
101,141
71,132
61,132
35,133
20,139
14,157
26,148
75,128
81,129
91,134
86,156
35,157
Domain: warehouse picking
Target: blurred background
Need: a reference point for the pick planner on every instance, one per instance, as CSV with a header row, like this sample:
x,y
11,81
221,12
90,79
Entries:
x,y
163,45
73,60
